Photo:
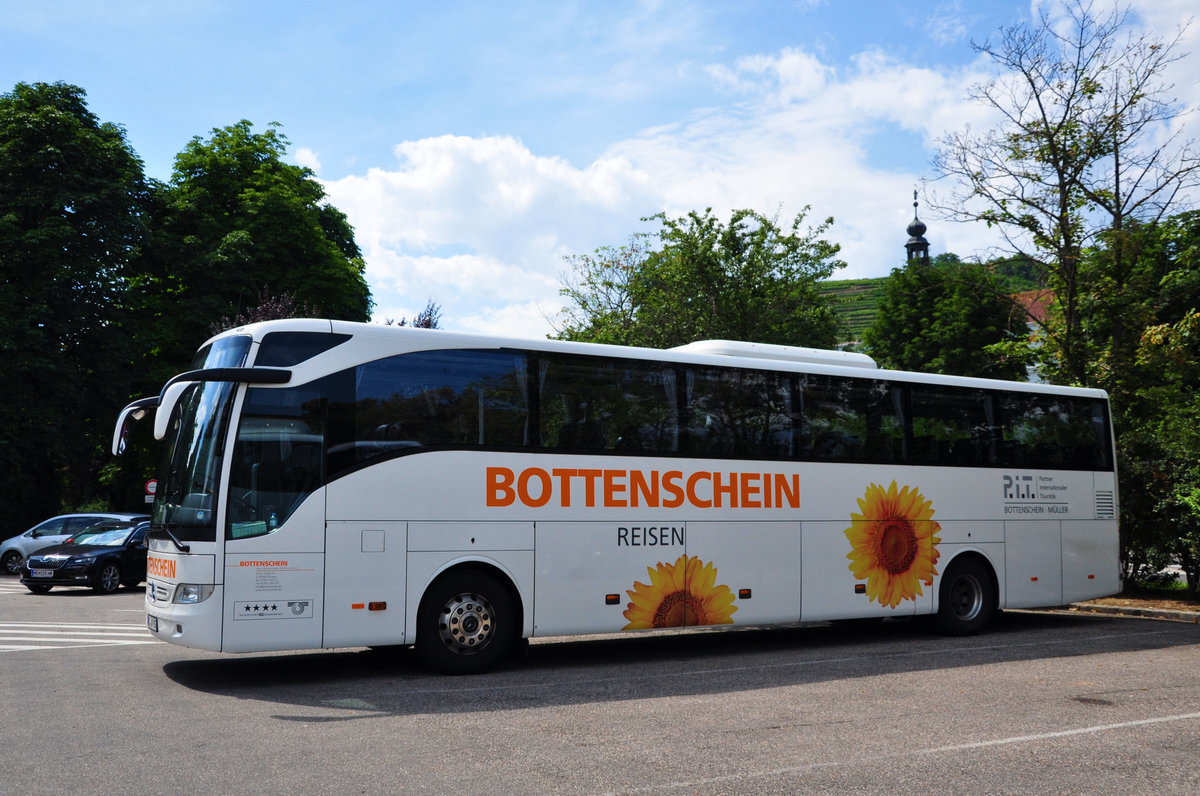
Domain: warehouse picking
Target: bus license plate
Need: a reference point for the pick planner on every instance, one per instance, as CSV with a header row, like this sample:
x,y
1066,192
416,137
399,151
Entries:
x,y
42,573
152,623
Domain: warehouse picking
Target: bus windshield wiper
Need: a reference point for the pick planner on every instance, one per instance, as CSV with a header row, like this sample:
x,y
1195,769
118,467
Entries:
x,y
165,528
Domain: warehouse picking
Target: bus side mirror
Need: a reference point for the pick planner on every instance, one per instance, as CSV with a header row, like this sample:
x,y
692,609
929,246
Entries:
x,y
135,411
166,405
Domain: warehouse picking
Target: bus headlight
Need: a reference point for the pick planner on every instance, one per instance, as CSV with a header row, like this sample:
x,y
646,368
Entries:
x,y
192,593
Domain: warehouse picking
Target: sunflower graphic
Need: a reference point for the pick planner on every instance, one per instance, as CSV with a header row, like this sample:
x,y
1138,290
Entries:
x,y
893,543
679,594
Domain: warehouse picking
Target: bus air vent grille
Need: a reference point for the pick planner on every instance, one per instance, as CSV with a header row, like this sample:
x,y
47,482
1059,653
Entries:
x,y
1105,505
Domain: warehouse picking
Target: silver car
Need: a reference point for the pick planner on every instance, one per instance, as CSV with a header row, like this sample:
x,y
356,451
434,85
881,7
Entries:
x,y
55,530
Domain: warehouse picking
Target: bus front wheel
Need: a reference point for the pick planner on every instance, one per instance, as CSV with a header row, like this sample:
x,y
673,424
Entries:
x,y
966,598
465,624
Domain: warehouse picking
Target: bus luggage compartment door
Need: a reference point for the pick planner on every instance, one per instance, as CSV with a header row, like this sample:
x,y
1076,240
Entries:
x,y
364,583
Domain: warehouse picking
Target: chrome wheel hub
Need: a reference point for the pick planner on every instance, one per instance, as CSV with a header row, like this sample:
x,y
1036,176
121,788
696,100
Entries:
x,y
466,623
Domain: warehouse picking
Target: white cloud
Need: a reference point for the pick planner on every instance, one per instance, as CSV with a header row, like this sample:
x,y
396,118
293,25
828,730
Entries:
x,y
481,224
308,159
790,76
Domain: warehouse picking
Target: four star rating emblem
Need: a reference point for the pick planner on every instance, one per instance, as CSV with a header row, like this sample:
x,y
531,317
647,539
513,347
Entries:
x,y
273,609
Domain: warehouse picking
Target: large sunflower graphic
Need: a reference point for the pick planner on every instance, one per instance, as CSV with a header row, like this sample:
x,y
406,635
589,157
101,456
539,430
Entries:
x,y
679,594
893,543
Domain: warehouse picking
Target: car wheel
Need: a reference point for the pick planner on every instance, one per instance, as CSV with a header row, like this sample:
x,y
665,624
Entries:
x,y
465,624
108,579
11,563
38,588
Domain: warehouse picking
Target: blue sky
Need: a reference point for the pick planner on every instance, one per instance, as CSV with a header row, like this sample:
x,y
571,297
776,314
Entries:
x,y
474,145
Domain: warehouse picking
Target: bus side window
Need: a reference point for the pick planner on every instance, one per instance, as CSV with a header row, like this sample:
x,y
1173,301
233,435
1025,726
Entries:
x,y
597,404
854,420
277,459
952,426
738,413
447,398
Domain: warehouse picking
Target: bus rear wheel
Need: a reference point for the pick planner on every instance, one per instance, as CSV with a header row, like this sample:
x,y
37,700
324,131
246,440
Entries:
x,y
966,598
466,623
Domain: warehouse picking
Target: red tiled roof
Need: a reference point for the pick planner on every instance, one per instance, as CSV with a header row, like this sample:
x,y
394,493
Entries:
x,y
1035,302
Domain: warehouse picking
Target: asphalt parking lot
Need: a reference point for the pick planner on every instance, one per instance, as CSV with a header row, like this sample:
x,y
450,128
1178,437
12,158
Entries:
x,y
1056,702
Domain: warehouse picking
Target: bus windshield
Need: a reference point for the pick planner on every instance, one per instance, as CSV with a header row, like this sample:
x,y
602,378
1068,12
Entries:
x,y
192,462
191,466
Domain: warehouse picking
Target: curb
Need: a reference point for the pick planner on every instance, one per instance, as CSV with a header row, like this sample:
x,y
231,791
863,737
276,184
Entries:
x,y
1147,613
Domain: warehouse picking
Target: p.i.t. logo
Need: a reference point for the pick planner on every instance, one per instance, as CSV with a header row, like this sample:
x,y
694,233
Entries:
x,y
1018,487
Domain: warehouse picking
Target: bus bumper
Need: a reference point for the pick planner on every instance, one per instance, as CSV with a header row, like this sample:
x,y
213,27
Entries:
x,y
197,626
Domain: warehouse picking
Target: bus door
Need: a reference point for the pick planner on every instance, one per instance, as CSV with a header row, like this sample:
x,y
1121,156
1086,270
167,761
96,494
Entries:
x,y
275,531
273,583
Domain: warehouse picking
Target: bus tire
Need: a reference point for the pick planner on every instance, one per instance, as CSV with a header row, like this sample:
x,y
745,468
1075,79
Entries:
x,y
466,623
967,598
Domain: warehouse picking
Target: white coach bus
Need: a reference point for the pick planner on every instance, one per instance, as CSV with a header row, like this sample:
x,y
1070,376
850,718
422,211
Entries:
x,y
331,484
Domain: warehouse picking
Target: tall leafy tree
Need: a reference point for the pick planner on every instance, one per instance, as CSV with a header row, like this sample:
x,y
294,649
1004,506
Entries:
x,y
1083,147
71,218
1149,369
946,317
749,279
234,221
236,235
1160,474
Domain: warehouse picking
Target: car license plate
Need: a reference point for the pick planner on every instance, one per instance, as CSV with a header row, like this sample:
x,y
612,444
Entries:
x,y
42,573
152,623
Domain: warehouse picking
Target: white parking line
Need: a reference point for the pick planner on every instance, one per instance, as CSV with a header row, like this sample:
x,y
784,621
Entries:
x,y
23,636
1015,739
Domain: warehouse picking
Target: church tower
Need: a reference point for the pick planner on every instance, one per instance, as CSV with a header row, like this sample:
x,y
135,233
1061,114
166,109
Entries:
x,y
917,246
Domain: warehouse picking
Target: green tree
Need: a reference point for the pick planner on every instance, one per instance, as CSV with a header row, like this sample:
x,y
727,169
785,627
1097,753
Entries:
x,y
745,280
946,317
1160,474
71,219
1141,330
1079,151
234,221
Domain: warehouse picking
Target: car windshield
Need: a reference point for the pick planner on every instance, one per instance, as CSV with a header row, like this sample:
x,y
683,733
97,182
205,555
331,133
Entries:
x,y
107,535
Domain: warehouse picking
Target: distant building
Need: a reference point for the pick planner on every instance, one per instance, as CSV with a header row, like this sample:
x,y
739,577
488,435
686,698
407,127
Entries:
x,y
1036,304
917,247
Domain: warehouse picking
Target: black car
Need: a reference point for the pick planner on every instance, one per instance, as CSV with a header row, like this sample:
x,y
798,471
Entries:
x,y
105,556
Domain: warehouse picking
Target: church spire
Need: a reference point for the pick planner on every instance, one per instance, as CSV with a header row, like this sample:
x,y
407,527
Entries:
x,y
917,246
